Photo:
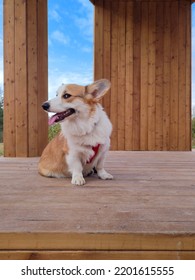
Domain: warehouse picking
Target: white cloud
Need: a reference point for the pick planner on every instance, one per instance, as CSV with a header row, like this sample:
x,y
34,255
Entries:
x,y
86,4
54,15
56,78
86,49
60,37
85,20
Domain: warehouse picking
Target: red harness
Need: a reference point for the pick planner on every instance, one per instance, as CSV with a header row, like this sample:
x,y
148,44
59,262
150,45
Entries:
x,y
95,149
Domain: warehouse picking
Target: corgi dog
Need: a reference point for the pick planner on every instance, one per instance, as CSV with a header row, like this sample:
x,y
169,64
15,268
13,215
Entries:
x,y
84,140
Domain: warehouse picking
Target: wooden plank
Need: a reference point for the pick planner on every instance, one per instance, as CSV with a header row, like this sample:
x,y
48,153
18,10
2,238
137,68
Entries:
x,y
42,46
151,77
21,79
174,78
182,77
97,255
144,77
121,75
129,78
32,78
87,241
136,76
188,130
114,76
9,132
166,76
107,51
189,1
159,75
98,40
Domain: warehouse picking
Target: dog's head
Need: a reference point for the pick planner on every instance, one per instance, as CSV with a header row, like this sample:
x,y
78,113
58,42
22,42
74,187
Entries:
x,y
75,101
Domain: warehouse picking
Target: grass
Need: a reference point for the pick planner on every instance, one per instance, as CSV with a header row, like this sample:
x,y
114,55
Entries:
x,y
1,149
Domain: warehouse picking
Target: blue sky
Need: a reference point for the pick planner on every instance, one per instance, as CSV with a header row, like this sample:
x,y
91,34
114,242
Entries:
x,y
70,41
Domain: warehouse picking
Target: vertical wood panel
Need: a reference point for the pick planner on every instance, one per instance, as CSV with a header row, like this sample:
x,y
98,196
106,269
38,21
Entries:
x,y
25,76
188,128
174,78
129,78
136,76
166,74
42,72
147,57
151,77
32,77
144,79
21,79
121,76
9,80
114,75
107,51
98,43
159,75
182,76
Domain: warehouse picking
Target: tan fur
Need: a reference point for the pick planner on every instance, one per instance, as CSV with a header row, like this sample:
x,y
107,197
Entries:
x,y
52,163
71,152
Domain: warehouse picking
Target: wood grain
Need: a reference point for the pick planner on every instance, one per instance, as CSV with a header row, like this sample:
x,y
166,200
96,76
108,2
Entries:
x,y
150,100
121,76
26,77
129,78
114,75
21,98
9,129
144,77
32,78
147,208
97,255
151,77
42,72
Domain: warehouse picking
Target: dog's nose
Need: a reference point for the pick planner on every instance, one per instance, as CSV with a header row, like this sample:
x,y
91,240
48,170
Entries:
x,y
46,106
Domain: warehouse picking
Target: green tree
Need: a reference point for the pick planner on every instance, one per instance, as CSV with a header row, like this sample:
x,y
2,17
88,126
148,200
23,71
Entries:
x,y
193,132
53,131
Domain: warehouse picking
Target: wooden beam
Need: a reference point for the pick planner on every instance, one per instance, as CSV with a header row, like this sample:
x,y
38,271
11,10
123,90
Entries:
x,y
25,77
94,1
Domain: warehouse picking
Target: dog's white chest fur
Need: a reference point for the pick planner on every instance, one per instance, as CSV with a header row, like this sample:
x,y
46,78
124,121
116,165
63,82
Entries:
x,y
82,136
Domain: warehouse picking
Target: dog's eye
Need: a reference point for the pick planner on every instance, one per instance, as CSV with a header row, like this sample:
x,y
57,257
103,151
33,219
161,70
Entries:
x,y
66,95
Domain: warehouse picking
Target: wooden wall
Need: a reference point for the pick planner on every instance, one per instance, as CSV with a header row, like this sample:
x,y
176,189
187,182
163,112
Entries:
x,y
25,77
144,48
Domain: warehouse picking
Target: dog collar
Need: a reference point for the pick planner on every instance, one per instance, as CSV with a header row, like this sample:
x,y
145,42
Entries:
x,y
95,149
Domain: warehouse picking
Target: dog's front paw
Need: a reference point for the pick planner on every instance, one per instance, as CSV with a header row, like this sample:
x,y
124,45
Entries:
x,y
78,180
102,174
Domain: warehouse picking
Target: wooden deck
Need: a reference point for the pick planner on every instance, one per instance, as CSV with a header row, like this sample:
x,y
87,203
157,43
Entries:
x,y
146,212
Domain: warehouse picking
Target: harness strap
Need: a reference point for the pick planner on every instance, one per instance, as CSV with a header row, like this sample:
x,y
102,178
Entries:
x,y
95,149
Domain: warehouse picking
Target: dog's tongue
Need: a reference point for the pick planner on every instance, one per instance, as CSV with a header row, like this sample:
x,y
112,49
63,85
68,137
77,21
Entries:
x,y
61,116
53,119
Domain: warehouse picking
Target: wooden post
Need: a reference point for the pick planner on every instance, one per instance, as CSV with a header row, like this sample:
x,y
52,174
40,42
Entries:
x,y
147,57
25,77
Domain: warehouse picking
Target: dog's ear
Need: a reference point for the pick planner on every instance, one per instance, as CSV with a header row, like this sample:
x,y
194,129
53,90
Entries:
x,y
98,89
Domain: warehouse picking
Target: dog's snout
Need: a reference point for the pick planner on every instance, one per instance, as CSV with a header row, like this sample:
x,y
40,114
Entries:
x,y
46,106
